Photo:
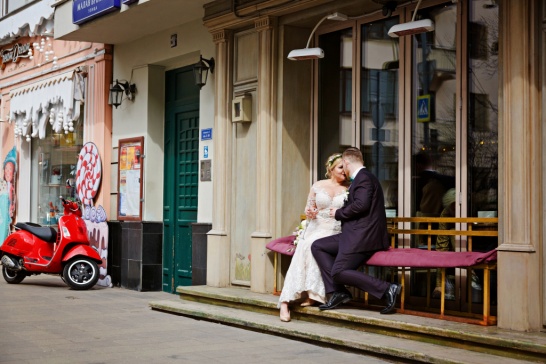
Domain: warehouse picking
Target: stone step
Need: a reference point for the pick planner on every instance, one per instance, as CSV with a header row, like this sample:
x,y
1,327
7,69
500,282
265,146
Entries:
x,y
394,348
420,338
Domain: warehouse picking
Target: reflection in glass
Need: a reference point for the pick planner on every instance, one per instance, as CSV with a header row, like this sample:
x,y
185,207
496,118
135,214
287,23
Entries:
x,y
335,129
379,106
54,161
434,117
482,96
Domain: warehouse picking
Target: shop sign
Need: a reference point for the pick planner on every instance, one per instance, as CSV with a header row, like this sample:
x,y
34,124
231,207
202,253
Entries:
x,y
85,10
127,2
14,54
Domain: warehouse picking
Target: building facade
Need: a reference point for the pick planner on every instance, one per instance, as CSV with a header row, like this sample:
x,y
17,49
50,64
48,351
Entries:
x,y
53,102
465,97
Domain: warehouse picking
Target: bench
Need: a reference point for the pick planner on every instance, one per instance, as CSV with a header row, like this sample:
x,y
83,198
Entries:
x,y
402,258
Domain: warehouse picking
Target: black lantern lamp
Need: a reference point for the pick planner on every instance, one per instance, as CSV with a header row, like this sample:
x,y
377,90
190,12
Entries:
x,y
201,70
118,89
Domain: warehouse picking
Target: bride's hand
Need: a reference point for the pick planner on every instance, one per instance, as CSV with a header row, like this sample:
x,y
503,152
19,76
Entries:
x,y
311,213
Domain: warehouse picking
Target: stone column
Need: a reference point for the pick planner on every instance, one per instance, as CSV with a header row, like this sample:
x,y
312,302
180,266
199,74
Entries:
x,y
520,170
218,240
262,268
100,125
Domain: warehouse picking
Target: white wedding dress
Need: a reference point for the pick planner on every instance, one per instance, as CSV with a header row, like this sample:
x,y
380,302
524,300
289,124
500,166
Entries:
x,y
304,274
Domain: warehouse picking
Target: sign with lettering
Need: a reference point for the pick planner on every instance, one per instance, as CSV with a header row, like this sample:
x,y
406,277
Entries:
x,y
85,10
15,53
206,134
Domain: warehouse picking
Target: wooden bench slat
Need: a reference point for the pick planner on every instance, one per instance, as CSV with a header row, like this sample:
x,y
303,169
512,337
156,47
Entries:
x,y
492,233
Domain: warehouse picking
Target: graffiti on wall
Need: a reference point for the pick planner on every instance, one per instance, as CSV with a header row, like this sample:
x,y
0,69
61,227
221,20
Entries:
x,y
88,178
8,193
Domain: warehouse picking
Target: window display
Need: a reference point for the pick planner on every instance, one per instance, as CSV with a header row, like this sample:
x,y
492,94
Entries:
x,y
57,157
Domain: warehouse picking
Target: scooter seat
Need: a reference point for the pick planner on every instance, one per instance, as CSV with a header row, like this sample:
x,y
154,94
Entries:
x,y
45,233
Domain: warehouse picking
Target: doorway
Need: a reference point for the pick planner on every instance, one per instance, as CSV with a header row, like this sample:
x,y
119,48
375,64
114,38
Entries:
x,y
181,176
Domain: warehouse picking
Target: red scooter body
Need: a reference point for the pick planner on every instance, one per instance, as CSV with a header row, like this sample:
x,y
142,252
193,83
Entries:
x,y
35,249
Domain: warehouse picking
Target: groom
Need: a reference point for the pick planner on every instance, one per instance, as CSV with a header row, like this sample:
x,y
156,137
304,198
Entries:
x,y
363,232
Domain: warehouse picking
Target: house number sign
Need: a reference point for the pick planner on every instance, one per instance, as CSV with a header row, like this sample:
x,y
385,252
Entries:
x,y
14,54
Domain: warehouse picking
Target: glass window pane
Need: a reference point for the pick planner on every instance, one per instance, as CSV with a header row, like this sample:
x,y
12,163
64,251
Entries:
x,y
434,114
16,4
54,161
335,126
379,107
483,86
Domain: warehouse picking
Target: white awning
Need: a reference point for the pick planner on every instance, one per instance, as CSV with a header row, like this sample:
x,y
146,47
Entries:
x,y
56,99
33,20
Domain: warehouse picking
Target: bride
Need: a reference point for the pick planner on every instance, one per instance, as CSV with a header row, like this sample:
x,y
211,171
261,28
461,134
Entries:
x,y
304,274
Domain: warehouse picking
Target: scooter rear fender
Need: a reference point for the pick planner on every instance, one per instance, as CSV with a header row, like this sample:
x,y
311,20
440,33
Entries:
x,y
84,250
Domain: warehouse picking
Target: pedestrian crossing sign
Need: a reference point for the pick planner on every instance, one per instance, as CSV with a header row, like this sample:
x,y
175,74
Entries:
x,y
423,108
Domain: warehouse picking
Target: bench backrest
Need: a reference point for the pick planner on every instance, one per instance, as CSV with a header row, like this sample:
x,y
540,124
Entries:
x,y
462,226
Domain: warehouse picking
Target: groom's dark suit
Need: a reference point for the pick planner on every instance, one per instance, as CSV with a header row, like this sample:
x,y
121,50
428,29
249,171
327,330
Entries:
x,y
363,232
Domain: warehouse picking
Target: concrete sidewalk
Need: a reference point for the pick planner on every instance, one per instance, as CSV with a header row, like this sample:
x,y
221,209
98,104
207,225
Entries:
x,y
43,321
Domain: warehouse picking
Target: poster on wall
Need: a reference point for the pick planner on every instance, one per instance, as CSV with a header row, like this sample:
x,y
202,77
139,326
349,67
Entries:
x,y
129,179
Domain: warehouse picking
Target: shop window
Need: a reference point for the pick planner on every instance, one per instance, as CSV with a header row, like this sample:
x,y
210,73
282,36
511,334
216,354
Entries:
x,y
56,157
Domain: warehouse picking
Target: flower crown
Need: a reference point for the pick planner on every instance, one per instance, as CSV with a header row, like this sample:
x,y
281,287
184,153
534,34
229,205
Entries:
x,y
333,159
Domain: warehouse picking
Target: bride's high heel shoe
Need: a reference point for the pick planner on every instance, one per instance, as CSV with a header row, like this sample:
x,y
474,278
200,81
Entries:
x,y
285,312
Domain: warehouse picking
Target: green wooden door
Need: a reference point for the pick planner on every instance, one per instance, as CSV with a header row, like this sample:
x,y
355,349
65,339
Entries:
x,y
181,176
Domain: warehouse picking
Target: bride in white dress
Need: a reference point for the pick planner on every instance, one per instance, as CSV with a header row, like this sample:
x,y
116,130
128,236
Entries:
x,y
304,274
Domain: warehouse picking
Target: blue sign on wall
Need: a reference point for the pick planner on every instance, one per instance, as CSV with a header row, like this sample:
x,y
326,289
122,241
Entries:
x,y
85,10
423,108
127,2
206,134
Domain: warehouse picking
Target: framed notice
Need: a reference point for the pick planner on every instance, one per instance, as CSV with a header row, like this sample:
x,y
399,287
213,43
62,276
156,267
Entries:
x,y
130,168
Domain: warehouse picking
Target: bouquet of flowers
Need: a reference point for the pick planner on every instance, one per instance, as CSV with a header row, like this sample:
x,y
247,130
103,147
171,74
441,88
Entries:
x,y
300,231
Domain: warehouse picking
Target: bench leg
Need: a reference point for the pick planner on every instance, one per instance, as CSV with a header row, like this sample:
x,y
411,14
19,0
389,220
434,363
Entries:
x,y
428,288
469,289
276,272
486,295
403,290
443,293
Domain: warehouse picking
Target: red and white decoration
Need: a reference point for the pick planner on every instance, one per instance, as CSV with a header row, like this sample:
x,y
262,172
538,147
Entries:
x,y
88,173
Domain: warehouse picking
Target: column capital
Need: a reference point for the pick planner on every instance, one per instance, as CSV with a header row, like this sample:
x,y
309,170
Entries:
x,y
265,23
221,36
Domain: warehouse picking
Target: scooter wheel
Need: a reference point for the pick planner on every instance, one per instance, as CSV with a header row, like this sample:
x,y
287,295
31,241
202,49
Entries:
x,y
81,273
13,276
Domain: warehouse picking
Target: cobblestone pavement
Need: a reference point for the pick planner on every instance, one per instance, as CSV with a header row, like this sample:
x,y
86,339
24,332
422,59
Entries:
x,y
43,321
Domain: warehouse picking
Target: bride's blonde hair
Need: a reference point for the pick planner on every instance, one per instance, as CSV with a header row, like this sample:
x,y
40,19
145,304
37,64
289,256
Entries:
x,y
331,163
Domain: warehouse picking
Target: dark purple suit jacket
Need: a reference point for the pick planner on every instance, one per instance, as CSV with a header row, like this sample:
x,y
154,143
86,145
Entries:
x,y
363,220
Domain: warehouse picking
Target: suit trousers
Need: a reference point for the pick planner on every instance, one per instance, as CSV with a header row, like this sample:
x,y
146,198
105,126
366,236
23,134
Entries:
x,y
339,268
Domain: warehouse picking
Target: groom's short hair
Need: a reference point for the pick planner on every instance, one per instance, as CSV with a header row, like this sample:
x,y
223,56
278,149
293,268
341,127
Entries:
x,y
353,154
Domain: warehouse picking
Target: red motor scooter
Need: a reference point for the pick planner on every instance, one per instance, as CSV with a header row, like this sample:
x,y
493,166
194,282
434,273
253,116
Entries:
x,y
35,249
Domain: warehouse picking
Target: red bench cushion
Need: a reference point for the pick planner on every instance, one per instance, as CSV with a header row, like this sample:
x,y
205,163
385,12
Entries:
x,y
284,245
418,258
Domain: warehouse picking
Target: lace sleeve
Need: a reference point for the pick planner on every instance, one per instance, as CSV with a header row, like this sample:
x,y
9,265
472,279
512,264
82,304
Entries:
x,y
311,206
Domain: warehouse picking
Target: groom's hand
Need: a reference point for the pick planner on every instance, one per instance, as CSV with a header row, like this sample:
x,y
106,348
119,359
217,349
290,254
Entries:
x,y
333,212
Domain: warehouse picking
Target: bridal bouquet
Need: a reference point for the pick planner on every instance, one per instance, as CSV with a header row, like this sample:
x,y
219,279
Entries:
x,y
300,230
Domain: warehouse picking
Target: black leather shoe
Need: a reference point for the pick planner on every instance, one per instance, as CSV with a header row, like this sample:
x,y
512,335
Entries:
x,y
390,296
337,299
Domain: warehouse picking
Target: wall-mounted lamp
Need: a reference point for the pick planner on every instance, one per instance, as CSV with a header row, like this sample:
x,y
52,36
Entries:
x,y
412,27
313,53
117,90
201,70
